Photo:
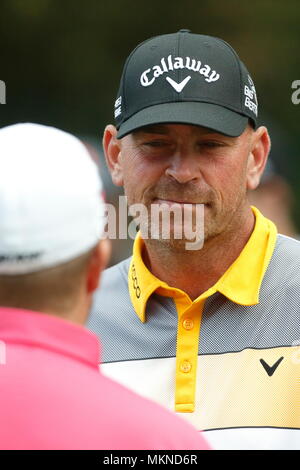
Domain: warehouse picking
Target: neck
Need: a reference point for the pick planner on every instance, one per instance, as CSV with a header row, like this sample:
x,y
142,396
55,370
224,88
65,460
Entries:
x,y
196,271
77,314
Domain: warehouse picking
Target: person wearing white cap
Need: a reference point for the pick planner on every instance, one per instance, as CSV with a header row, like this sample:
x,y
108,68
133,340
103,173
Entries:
x,y
51,257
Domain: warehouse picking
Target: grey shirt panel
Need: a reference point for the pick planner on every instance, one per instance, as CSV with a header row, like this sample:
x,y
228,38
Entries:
x,y
225,326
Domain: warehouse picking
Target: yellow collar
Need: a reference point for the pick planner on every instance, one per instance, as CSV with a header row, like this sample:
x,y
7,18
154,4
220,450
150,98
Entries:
x,y
240,283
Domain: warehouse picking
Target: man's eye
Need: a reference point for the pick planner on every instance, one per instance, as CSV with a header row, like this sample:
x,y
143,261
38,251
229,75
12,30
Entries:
x,y
155,143
211,144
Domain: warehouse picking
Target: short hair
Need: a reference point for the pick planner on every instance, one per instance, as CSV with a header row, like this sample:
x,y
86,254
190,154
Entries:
x,y
54,288
251,124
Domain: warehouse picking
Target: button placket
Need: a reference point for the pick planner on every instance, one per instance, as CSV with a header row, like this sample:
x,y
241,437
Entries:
x,y
189,319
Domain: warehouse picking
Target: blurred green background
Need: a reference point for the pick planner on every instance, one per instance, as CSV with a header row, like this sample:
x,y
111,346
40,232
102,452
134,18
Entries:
x,y
61,60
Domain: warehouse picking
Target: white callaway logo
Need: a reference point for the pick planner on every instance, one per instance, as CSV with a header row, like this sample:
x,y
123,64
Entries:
x,y
178,86
150,75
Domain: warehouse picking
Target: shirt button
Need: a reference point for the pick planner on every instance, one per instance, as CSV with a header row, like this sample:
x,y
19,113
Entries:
x,y
185,366
188,324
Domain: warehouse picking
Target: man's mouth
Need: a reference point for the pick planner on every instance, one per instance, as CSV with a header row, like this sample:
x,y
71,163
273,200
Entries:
x,y
176,202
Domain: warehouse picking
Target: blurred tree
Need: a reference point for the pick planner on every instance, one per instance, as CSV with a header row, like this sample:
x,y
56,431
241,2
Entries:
x,y
61,60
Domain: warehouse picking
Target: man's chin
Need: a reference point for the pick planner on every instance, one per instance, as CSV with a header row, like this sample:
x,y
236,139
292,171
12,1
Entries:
x,y
174,240
177,246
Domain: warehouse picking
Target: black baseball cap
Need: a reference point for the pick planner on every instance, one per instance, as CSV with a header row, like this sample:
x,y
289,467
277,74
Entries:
x,y
185,78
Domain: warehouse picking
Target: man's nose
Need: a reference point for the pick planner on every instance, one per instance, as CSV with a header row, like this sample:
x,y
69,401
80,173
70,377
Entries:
x,y
184,167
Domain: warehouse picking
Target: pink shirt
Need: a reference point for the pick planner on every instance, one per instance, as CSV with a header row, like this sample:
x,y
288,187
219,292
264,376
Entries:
x,y
53,396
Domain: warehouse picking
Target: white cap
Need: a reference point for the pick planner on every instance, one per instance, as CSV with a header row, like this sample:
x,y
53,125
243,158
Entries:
x,y
51,203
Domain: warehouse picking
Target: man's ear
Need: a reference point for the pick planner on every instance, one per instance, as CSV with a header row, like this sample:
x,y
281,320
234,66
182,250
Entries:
x,y
112,149
98,262
260,148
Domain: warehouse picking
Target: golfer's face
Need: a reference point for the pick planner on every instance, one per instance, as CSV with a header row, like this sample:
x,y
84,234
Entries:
x,y
185,164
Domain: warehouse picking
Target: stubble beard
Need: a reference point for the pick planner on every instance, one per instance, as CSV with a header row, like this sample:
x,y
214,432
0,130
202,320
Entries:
x,y
149,227
206,230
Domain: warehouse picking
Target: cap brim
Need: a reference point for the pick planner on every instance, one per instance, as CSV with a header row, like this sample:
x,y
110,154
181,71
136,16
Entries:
x,y
208,115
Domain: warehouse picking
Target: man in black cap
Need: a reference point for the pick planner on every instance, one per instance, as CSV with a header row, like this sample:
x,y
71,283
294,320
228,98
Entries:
x,y
202,331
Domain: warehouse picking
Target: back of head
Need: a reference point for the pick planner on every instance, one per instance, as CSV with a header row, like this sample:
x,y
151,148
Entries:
x,y
51,215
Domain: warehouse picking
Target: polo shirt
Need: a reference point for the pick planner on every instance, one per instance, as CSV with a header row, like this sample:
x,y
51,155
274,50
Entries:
x,y
53,397
229,361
